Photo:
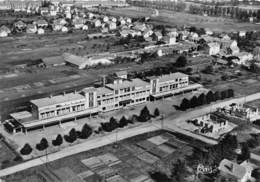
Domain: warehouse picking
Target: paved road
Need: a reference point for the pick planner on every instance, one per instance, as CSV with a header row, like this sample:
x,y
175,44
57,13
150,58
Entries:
x,y
167,124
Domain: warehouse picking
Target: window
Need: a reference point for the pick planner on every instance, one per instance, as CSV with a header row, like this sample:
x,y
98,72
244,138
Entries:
x,y
116,92
133,88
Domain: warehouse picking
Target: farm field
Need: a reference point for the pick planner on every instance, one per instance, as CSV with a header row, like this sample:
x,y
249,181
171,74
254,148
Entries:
x,y
170,18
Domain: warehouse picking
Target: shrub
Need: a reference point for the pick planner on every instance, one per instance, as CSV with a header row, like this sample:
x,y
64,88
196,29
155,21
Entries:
x,y
185,104
85,132
42,145
72,137
58,141
156,112
123,122
144,115
26,150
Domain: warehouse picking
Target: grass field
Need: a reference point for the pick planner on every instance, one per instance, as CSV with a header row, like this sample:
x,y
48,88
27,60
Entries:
x,y
170,18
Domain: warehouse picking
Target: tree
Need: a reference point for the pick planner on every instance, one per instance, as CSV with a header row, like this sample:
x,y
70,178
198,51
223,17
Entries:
x,y
194,102
156,112
86,131
26,150
58,141
179,170
210,97
72,137
144,115
230,93
181,61
202,99
245,152
42,145
123,122
217,96
185,104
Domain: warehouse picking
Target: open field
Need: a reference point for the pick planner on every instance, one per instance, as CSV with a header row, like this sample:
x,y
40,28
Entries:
x,y
134,158
179,19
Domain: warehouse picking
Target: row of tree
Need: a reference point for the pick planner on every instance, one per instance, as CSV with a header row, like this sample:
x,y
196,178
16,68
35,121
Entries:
x,y
86,130
203,99
144,116
71,137
225,11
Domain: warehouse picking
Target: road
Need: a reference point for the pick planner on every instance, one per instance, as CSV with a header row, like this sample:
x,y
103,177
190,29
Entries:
x,y
167,124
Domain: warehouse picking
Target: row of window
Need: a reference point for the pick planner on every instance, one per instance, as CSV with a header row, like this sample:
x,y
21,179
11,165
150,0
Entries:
x,y
63,111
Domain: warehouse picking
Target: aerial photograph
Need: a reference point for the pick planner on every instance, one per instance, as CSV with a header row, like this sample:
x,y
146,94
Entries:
x,y
130,90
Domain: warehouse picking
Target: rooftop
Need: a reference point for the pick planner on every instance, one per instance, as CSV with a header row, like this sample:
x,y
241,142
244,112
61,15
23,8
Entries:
x,y
103,91
232,168
59,99
128,83
169,77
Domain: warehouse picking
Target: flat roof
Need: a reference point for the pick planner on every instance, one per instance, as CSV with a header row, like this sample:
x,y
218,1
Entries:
x,y
59,99
21,115
53,60
104,91
169,77
128,83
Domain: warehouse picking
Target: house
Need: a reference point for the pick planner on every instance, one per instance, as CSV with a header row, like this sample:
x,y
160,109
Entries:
x,y
68,15
128,20
193,37
40,31
111,25
147,33
53,61
64,29
20,25
242,33
4,31
31,28
90,15
244,57
169,40
41,23
121,74
113,19
208,31
44,11
78,22
157,36
85,27
239,172
104,30
53,10
214,48
256,53
97,23
105,19
234,48
122,22
58,24
139,26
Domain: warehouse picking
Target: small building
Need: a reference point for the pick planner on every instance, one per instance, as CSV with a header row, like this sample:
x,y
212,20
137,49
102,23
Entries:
x,y
242,33
169,40
113,19
122,22
158,36
256,53
4,31
234,48
53,61
78,22
85,27
239,172
121,74
20,25
112,25
31,29
40,31
44,11
64,29
147,33
97,23
208,31
214,48
244,58
41,23
105,19
128,20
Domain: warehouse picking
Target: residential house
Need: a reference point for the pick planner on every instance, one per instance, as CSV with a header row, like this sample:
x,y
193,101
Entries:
x,y
256,53
64,29
90,15
85,27
157,36
147,33
122,22
244,58
105,19
234,48
40,31
104,30
184,35
78,22
53,10
97,23
242,33
111,25
121,74
214,48
41,23
58,24
169,40
31,28
4,31
139,26
44,11
193,37
239,172
20,25
113,19
208,31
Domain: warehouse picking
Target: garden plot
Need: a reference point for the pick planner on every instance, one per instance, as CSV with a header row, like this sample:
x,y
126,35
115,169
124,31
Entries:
x,y
148,158
158,140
